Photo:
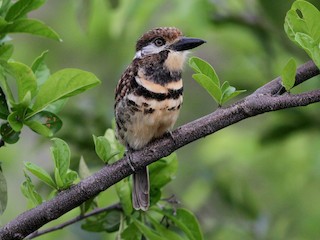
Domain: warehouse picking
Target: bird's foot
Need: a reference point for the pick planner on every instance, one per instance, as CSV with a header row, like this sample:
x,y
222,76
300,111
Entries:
x,y
128,153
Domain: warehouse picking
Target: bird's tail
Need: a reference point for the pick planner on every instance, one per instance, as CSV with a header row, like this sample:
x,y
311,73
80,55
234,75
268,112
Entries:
x,y
141,188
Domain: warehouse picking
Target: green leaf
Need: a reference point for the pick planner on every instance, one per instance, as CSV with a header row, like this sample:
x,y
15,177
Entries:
x,y
60,152
8,134
4,110
84,170
185,220
56,106
58,179
131,233
15,120
117,149
70,178
26,80
288,74
189,220
201,66
163,171
5,86
28,190
40,69
31,26
44,123
107,221
302,27
123,189
148,232
40,173
208,85
229,92
6,51
3,192
62,84
103,148
20,8
163,231
4,7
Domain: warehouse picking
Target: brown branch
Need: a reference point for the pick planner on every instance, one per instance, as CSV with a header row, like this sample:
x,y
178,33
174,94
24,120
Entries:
x,y
265,99
96,211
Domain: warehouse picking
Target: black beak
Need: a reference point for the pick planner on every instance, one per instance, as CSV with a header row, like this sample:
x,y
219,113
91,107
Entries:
x,y
186,43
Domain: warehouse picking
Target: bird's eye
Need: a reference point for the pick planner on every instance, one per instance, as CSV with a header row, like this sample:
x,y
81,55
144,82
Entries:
x,y
159,42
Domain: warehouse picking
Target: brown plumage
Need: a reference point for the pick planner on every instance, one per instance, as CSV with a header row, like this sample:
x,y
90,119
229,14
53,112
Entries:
x,y
148,96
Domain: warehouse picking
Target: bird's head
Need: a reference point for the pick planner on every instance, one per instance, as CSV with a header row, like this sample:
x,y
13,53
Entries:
x,y
168,39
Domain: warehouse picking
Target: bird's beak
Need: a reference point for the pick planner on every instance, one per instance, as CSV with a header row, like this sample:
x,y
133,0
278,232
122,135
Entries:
x,y
186,43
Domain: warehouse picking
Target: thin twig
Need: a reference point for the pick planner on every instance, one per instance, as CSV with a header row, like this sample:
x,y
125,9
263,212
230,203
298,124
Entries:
x,y
96,211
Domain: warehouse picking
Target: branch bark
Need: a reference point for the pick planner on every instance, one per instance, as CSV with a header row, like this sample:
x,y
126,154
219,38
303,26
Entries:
x,y
269,97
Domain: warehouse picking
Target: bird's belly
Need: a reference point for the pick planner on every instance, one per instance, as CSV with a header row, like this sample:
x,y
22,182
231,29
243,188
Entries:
x,y
152,121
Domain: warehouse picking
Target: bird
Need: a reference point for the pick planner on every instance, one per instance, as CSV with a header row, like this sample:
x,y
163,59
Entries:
x,y
148,97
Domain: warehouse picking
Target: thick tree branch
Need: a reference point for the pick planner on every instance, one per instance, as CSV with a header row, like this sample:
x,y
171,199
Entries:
x,y
265,99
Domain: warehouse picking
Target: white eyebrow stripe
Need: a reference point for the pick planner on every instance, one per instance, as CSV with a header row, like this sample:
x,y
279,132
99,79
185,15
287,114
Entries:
x,y
149,49
137,55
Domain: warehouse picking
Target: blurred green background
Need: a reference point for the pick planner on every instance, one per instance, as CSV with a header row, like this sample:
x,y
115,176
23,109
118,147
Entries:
x,y
258,179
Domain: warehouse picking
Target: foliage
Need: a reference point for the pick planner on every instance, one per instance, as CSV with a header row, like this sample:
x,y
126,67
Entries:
x,y
301,26
39,94
288,74
37,90
208,79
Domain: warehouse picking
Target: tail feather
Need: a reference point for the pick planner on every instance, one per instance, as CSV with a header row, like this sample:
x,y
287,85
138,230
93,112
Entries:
x,y
141,189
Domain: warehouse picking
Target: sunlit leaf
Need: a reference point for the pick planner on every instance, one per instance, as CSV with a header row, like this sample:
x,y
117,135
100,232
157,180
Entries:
x,y
40,69
288,74
201,66
22,7
6,51
102,148
61,155
32,26
208,85
117,149
26,80
40,173
229,93
70,178
84,170
4,7
62,84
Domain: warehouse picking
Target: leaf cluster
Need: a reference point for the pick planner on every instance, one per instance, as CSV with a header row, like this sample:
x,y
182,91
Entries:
x,y
40,95
63,178
302,27
207,77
